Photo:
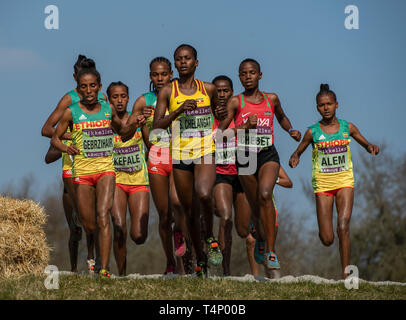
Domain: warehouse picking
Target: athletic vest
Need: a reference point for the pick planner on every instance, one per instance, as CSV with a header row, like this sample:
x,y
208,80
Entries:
x,y
192,130
93,136
263,136
129,160
331,158
66,160
225,152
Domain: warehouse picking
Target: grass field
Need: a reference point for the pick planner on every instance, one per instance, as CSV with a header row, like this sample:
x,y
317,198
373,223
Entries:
x,y
81,287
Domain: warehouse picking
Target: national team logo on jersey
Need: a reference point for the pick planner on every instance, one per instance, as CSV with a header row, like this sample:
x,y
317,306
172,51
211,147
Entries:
x,y
268,113
106,114
345,135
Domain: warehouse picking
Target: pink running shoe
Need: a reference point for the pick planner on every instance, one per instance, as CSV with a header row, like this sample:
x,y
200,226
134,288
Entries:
x,y
169,270
180,244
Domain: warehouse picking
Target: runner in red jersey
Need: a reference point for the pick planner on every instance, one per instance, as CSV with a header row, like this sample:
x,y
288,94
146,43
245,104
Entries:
x,y
227,188
257,158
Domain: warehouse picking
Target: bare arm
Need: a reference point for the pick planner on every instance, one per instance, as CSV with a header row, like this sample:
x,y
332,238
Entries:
x,y
140,107
218,108
282,118
232,105
48,128
283,179
160,120
356,134
126,131
295,157
52,155
59,132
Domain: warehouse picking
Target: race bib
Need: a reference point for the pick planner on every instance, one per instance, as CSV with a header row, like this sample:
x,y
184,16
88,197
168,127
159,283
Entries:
x,y
195,123
127,159
333,159
97,142
255,142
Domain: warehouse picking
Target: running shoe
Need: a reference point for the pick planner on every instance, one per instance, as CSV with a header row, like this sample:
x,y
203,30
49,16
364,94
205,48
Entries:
x,y
214,252
180,244
103,273
201,270
170,269
259,252
272,261
90,265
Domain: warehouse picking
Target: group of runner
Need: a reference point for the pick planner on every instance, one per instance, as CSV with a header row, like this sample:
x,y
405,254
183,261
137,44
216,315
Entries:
x,y
201,150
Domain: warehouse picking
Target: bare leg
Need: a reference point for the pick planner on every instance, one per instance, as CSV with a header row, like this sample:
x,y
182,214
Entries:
x,y
119,212
344,204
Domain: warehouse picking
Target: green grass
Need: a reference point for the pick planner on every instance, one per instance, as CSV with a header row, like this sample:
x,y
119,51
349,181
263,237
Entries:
x,y
79,287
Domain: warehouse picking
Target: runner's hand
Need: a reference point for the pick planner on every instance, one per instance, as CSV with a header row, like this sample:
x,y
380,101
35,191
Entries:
x,y
220,112
147,111
251,122
294,160
295,134
189,105
72,150
373,149
140,120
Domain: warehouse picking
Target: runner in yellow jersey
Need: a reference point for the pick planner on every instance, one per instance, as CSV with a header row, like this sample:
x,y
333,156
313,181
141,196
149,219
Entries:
x,y
131,182
332,174
91,122
69,197
160,170
190,103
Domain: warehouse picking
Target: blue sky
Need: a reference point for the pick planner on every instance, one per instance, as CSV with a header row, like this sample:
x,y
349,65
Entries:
x,y
299,44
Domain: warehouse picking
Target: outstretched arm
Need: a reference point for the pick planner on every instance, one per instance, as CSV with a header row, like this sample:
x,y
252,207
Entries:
x,y
282,118
356,134
135,121
295,157
48,127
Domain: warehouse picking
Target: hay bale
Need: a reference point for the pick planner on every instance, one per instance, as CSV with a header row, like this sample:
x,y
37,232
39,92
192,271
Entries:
x,y
23,246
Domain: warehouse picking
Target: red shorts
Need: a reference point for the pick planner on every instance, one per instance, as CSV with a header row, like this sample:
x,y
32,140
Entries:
x,y
160,161
332,193
130,189
66,174
92,179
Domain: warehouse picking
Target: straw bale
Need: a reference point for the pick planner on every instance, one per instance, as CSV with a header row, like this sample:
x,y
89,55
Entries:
x,y
23,246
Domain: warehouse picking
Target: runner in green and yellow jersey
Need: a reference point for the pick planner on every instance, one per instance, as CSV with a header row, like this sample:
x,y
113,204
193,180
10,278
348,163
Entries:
x,y
69,193
332,174
91,122
131,181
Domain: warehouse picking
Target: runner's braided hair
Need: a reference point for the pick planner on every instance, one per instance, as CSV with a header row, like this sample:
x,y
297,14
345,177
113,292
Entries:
x,y
114,84
325,90
83,62
158,59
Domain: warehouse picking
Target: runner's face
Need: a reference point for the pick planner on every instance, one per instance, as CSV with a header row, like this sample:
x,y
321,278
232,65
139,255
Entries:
x,y
224,90
89,88
249,76
160,74
326,106
185,62
119,98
